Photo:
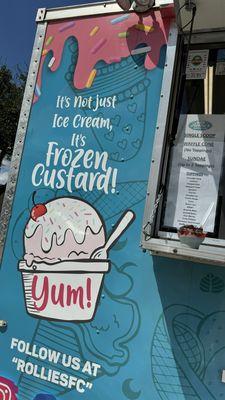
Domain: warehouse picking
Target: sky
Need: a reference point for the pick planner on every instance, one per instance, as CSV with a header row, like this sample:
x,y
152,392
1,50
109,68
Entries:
x,y
18,26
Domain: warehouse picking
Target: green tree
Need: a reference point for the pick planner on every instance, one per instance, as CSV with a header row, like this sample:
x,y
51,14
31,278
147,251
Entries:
x,y
11,95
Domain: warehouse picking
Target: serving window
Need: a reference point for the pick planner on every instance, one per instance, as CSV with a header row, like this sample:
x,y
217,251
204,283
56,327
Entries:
x,y
185,216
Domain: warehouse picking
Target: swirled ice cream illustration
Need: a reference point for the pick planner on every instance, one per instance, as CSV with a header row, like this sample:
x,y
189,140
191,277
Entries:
x,y
63,229
66,257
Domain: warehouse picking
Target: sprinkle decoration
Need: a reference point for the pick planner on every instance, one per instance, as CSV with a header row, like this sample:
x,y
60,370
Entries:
x,y
49,40
123,34
141,50
91,78
51,62
94,31
66,26
44,52
144,28
119,19
98,46
37,90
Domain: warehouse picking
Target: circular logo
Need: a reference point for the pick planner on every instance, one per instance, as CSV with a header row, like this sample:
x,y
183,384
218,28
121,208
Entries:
x,y
200,125
196,60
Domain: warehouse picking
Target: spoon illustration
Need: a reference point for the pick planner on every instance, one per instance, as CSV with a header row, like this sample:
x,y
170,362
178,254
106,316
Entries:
x,y
122,225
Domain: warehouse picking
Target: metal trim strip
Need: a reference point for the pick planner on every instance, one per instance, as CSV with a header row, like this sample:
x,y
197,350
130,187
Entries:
x,y
157,154
173,249
21,133
90,10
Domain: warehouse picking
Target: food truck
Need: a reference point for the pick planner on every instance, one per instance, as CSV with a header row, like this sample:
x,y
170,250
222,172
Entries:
x,y
112,226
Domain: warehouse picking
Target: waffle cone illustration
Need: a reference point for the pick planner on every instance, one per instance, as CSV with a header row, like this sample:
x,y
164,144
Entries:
x,y
188,356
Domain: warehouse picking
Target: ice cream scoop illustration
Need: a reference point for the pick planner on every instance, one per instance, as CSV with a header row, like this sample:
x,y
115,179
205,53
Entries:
x,y
66,257
63,229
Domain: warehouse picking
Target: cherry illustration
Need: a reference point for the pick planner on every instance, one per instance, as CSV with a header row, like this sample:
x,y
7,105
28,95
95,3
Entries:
x,y
38,210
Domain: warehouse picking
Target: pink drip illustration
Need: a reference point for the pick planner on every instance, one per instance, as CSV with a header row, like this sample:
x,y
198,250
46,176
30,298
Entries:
x,y
109,38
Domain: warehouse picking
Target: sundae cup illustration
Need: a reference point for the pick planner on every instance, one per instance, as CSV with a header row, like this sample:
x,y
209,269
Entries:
x,y
8,390
191,236
66,257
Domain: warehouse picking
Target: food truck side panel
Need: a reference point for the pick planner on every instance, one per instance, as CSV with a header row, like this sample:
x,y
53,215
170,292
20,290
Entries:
x,y
84,319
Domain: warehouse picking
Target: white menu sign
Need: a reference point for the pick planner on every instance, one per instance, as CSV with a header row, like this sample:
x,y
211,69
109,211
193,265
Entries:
x,y
195,171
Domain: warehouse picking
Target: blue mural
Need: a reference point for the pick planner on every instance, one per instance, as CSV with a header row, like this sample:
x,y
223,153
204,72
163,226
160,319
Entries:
x,y
158,327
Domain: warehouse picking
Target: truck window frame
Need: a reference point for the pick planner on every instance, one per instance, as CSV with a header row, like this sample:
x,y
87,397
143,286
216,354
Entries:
x,y
158,242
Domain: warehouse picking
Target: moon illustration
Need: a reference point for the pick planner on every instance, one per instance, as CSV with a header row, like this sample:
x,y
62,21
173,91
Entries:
x,y
129,393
